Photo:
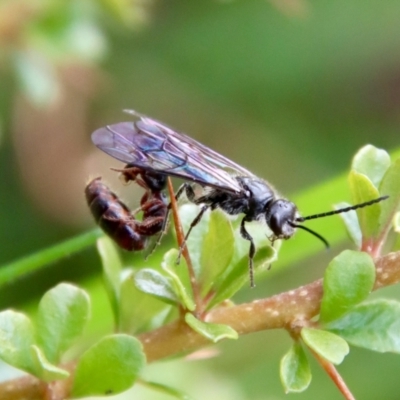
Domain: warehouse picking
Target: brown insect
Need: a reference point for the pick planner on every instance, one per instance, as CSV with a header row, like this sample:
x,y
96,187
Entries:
x,y
118,221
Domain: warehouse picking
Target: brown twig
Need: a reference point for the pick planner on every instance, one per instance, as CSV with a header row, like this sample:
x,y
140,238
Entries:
x,y
180,237
275,312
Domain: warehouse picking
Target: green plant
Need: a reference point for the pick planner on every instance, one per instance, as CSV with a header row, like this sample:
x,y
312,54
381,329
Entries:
x,y
170,309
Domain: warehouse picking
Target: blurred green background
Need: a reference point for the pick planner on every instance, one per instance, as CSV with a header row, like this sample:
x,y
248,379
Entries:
x,y
288,88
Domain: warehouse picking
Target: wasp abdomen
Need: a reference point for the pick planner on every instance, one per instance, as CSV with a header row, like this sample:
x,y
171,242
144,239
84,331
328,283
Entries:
x,y
113,216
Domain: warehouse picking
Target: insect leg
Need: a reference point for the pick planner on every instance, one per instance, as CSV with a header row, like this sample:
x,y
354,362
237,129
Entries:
x,y
166,220
180,191
246,235
192,225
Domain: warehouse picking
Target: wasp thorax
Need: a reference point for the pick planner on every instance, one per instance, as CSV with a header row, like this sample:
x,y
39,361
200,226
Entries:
x,y
279,217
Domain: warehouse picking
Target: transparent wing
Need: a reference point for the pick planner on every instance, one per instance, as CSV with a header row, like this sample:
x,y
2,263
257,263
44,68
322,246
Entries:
x,y
148,144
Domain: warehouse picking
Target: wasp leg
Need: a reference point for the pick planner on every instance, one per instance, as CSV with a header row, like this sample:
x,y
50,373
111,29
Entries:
x,y
166,220
252,250
192,225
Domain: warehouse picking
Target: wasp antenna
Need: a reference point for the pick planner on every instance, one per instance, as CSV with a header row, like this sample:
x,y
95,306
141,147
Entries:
x,y
321,238
341,210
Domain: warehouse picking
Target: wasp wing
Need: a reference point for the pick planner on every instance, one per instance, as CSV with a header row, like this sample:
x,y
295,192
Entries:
x,y
148,144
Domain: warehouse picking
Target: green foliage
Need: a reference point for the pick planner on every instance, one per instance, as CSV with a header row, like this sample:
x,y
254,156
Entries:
x,y
37,348
179,277
332,347
17,335
167,390
213,332
350,220
371,162
374,325
348,280
62,317
295,370
110,366
44,370
350,277
155,284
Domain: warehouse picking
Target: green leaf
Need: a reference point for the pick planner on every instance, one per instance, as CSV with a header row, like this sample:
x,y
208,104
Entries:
x,y
44,369
362,190
348,280
16,338
112,267
217,250
350,220
179,275
111,366
166,390
372,162
213,332
390,186
152,282
374,325
62,317
328,345
139,312
294,370
238,275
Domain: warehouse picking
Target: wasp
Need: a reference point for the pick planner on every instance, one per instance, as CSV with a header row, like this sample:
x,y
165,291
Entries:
x,y
152,148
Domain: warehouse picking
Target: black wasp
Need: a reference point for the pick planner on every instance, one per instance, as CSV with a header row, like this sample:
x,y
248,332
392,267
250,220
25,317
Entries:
x,y
151,148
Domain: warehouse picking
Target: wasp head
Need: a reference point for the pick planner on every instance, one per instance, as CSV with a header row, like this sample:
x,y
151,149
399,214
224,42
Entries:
x,y
280,217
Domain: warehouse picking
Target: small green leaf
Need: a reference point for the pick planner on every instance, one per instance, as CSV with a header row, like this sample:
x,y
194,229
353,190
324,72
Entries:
x,y
45,370
372,162
180,278
62,317
166,390
213,332
374,325
348,280
139,312
152,282
217,249
362,190
111,366
112,267
294,370
16,338
238,275
390,186
328,345
350,220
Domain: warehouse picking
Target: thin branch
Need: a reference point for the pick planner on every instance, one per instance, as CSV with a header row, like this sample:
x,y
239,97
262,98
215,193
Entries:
x,y
180,237
275,312
334,375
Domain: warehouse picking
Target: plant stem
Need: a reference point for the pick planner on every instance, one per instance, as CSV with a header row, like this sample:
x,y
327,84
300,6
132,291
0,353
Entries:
x,y
180,237
43,258
270,313
334,375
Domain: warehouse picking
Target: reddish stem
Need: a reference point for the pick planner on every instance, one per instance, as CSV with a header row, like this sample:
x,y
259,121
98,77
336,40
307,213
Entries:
x,y
181,239
334,375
